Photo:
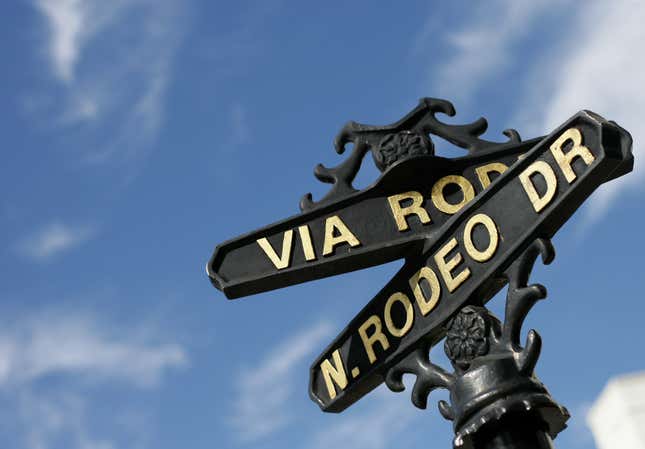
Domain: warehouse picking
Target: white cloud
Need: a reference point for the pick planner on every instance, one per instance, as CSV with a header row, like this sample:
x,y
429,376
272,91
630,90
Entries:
x,y
261,405
54,239
50,366
597,68
588,61
389,415
65,19
57,418
79,346
113,60
484,45
72,24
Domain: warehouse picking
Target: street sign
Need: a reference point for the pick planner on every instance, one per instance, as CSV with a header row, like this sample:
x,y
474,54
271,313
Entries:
x,y
463,261
409,202
349,229
466,227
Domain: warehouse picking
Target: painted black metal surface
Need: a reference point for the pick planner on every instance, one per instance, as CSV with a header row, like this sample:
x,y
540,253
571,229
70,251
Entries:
x,y
514,433
493,378
369,346
466,227
391,143
241,267
295,248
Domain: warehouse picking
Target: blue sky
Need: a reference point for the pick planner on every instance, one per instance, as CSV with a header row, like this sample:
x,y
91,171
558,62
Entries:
x,y
138,134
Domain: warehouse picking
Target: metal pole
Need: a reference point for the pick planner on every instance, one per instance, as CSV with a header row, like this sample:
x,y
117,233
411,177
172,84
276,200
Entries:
x,y
515,433
496,400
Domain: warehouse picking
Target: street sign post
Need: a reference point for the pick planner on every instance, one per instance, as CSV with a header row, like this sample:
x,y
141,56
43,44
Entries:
x,y
466,227
465,262
418,195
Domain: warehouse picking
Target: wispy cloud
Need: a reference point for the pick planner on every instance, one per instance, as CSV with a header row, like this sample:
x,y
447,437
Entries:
x,y
484,45
79,346
261,405
239,129
55,239
55,419
595,68
586,61
65,19
72,25
81,353
388,416
113,61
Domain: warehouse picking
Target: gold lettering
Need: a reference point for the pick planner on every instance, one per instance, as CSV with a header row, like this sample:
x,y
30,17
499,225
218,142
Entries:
x,y
446,266
409,314
425,305
541,167
493,237
333,224
483,172
578,150
283,260
415,208
307,246
334,373
378,335
440,201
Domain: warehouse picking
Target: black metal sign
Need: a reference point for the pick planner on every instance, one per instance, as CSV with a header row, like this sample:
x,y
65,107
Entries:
x,y
348,229
389,220
464,262
465,226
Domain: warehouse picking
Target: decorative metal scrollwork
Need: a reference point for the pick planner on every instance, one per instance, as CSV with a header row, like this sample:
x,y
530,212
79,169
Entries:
x,y
493,373
467,336
389,144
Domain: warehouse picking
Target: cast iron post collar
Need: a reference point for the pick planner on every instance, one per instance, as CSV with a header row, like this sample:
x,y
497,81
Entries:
x,y
496,400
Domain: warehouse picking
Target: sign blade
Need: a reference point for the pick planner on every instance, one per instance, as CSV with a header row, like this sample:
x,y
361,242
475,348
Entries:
x,y
464,263
361,230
